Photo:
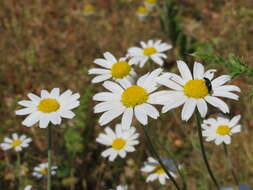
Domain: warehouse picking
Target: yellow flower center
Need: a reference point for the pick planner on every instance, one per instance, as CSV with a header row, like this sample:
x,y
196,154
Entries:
x,y
44,171
133,96
150,1
142,10
149,51
196,88
48,105
120,69
118,144
223,130
16,143
88,8
159,170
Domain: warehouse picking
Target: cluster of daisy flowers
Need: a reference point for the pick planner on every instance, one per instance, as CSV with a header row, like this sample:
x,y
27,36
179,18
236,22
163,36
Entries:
x,y
144,10
47,109
130,96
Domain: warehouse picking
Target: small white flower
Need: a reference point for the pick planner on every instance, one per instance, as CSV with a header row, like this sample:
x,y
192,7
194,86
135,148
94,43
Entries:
x,y
195,90
129,100
121,187
152,50
150,4
142,12
17,143
28,187
50,107
88,10
42,170
221,129
113,69
155,170
120,142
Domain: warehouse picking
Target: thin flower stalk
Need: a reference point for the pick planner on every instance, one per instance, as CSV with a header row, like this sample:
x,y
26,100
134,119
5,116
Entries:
x,y
153,151
202,147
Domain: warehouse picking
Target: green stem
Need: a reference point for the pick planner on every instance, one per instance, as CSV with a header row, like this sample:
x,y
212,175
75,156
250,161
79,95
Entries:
x,y
18,171
49,157
204,152
230,164
153,151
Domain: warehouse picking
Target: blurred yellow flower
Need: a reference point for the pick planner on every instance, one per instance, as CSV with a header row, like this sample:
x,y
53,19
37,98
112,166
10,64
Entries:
x,y
88,9
142,12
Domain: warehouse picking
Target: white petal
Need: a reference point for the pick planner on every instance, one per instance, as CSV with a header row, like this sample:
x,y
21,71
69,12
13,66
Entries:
x,y
110,115
67,114
103,63
184,70
220,80
55,92
150,111
110,57
127,118
140,115
202,107
188,109
216,102
25,111
198,71
225,94
98,71
43,123
101,78
113,87
31,119
235,120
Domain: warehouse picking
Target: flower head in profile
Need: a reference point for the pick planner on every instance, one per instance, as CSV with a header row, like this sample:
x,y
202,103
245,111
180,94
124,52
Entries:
x,y
155,170
195,91
120,142
17,143
153,50
42,170
121,187
221,129
112,69
150,4
50,107
88,9
129,99
142,12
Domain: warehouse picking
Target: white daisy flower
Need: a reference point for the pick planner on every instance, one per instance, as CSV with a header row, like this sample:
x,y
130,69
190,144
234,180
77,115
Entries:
x,y
221,129
28,187
50,107
195,90
88,10
42,170
17,143
129,100
121,187
120,142
150,4
152,50
155,170
113,69
142,12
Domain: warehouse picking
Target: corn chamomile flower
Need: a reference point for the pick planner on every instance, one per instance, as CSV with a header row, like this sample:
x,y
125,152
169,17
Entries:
x,y
88,10
42,170
150,4
221,129
120,142
155,170
195,90
142,12
121,187
153,50
50,107
129,100
17,143
112,69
